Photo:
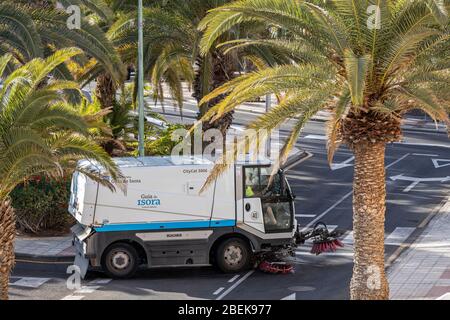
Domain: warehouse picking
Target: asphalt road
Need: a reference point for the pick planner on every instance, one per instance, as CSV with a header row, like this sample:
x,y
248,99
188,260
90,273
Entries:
x,y
416,186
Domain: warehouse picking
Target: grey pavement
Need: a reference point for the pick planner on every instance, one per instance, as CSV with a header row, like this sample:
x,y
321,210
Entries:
x,y
46,247
423,270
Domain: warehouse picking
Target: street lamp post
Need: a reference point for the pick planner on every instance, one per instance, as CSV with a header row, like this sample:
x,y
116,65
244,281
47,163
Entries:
x,y
269,140
141,80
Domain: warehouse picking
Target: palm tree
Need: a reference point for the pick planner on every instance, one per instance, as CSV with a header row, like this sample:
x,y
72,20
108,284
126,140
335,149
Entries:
x,y
37,30
368,77
40,132
172,56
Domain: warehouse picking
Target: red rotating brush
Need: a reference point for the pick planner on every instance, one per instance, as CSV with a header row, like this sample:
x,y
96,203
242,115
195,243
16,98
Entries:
x,y
276,267
329,245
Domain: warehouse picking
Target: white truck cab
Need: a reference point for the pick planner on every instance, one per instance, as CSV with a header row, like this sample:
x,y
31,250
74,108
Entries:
x,y
162,220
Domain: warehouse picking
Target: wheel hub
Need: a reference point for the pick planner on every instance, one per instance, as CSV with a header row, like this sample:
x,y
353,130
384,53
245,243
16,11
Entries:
x,y
233,255
120,260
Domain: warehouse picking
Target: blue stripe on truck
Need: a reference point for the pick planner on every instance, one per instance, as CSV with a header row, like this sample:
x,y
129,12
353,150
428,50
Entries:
x,y
166,225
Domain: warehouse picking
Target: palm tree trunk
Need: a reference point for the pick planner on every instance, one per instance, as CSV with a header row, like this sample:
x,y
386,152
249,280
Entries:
x,y
7,235
369,194
223,69
105,90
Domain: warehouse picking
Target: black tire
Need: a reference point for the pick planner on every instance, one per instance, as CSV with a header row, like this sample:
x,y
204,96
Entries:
x,y
117,254
233,255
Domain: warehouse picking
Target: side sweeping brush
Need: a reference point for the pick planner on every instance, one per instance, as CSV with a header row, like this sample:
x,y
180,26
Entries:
x,y
323,240
328,245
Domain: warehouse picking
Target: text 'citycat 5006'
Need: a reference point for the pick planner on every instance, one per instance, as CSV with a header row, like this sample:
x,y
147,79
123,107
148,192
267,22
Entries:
x,y
163,220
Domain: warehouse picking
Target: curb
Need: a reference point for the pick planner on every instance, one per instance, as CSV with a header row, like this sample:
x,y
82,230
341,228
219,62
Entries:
x,y
26,257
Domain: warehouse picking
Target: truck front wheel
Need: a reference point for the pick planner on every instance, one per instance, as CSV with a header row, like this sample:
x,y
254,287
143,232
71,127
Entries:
x,y
120,261
233,255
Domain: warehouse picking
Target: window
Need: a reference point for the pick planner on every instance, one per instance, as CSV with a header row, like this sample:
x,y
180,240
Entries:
x,y
276,203
257,183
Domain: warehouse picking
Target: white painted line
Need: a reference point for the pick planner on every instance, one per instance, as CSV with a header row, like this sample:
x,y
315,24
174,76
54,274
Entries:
x,y
100,281
425,155
445,296
290,297
438,165
305,215
346,196
315,137
411,186
397,161
30,282
326,254
234,278
422,144
399,235
415,181
331,227
348,240
343,164
72,297
87,289
248,274
218,291
311,223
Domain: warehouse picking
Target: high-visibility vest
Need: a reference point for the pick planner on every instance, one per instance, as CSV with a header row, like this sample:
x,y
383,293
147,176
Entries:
x,y
249,192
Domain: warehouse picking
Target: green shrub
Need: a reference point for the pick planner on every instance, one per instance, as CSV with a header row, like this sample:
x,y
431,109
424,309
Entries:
x,y
41,204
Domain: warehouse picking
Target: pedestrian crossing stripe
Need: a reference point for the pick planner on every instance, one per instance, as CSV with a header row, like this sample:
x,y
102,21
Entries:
x,y
29,282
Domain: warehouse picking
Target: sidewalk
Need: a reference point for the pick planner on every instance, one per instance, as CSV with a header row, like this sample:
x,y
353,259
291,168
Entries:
x,y
46,249
423,270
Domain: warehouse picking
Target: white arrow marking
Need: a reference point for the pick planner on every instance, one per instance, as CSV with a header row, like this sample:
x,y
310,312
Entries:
x,y
290,297
416,181
344,164
437,165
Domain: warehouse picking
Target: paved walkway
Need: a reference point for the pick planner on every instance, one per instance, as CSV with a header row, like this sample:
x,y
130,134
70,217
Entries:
x,y
48,247
423,270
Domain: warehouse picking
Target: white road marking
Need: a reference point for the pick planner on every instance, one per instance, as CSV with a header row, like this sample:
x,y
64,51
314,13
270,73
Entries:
x,y
346,196
248,274
331,227
438,165
348,239
445,296
397,161
343,164
399,235
30,282
218,291
234,278
419,144
290,297
305,215
425,154
326,254
100,281
311,223
315,137
72,297
87,289
415,181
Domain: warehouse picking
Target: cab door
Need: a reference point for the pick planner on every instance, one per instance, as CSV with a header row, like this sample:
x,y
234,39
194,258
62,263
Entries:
x,y
253,213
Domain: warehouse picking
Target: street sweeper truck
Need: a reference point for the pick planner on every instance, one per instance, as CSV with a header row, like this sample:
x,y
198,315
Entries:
x,y
161,219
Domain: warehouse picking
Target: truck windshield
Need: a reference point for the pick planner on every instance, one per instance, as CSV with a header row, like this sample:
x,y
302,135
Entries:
x,y
275,197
